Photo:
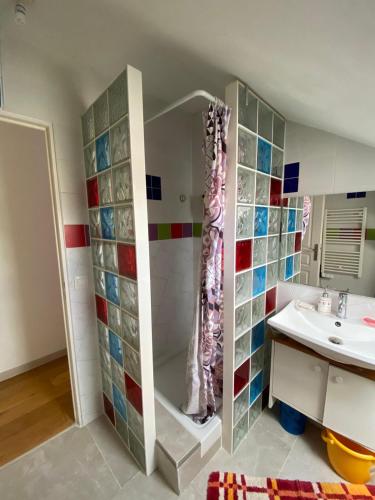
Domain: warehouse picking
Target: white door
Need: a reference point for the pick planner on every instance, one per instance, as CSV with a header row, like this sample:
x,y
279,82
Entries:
x,y
312,243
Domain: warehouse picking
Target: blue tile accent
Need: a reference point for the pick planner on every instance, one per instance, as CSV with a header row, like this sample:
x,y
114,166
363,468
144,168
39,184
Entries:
x,y
291,170
112,288
148,180
153,184
156,194
259,280
261,221
115,348
362,194
291,185
264,156
119,402
289,267
256,387
149,193
291,220
102,152
156,182
108,223
258,335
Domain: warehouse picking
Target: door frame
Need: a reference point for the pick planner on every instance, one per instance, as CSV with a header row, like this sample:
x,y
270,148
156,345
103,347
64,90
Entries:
x,y
47,129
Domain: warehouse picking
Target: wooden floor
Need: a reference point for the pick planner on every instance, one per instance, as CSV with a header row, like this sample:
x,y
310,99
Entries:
x,y
34,406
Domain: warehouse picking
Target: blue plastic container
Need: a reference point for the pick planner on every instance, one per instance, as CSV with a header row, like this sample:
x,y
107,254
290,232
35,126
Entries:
x,y
292,420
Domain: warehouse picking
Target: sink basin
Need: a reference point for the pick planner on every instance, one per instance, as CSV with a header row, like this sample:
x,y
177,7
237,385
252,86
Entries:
x,y
343,340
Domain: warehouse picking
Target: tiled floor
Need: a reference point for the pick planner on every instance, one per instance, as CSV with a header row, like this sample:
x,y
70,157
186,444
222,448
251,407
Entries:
x,y
90,463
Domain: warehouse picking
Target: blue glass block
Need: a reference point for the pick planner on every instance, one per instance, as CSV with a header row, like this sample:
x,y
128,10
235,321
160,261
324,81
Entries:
x,y
112,287
119,402
291,221
289,263
256,387
258,334
115,348
156,182
102,152
108,223
259,280
291,185
156,194
261,221
148,180
291,170
264,156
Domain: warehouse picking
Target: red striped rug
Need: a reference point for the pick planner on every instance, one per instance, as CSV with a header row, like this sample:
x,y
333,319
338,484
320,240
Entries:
x,y
231,486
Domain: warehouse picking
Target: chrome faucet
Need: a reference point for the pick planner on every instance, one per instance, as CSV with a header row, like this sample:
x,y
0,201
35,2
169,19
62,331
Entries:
x,y
343,305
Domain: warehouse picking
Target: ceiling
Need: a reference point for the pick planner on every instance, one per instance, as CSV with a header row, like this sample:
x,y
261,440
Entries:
x,y
313,60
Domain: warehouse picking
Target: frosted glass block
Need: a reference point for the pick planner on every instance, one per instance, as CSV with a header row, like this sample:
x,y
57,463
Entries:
x,y
105,188
119,401
255,411
277,163
118,98
258,309
124,223
273,248
135,422
256,362
101,115
94,222
265,121
242,349
284,245
262,193
245,222
120,146
297,278
247,146
297,263
130,332
114,318
103,335
282,270
274,221
132,363
240,431
129,295
88,131
247,108
99,281
97,253
290,243
284,220
122,428
137,449
272,274
122,183
245,186
107,385
278,131
259,251
90,159
240,405
300,201
118,375
110,256
243,318
105,360
299,220
292,202
243,286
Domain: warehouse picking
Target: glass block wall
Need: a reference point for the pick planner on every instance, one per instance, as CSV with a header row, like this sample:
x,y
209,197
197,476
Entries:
x,y
112,131
252,232
291,239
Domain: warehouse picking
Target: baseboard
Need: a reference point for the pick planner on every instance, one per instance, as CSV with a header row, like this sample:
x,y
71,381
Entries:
x,y
31,364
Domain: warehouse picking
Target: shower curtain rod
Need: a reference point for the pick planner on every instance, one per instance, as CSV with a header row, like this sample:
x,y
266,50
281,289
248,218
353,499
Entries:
x,y
183,100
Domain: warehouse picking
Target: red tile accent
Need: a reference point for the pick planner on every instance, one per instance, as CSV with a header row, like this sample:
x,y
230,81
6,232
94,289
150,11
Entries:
x,y
241,377
270,300
101,309
108,408
127,262
243,255
92,192
134,393
76,235
298,242
176,230
275,198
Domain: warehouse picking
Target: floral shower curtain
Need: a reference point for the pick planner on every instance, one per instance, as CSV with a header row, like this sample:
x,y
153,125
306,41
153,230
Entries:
x,y
204,376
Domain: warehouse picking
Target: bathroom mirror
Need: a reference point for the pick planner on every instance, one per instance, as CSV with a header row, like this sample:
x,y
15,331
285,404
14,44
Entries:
x,y
329,241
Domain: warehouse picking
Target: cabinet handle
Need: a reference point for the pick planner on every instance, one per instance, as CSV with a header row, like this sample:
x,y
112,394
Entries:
x,y
338,380
317,368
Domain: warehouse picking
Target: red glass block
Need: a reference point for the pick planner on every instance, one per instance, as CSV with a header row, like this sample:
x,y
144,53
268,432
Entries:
x,y
241,377
134,393
298,242
176,231
101,309
92,192
108,408
275,198
127,262
285,202
270,300
243,255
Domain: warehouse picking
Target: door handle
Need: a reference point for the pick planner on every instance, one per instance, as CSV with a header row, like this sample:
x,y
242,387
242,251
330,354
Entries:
x,y
316,250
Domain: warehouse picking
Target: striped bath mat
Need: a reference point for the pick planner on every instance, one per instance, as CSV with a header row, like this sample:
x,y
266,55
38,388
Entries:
x,y
231,486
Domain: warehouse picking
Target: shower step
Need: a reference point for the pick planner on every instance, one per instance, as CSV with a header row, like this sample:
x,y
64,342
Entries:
x,y
180,455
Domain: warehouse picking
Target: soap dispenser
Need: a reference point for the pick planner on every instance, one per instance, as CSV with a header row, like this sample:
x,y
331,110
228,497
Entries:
x,y
325,303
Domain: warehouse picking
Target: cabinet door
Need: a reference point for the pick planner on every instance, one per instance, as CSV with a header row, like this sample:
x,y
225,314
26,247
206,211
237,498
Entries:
x,y
350,406
299,380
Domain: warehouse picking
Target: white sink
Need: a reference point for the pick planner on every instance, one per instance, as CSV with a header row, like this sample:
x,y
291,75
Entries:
x,y
343,340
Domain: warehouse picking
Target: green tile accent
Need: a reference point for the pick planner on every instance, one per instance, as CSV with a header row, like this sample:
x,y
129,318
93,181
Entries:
x,y
197,229
164,231
370,233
